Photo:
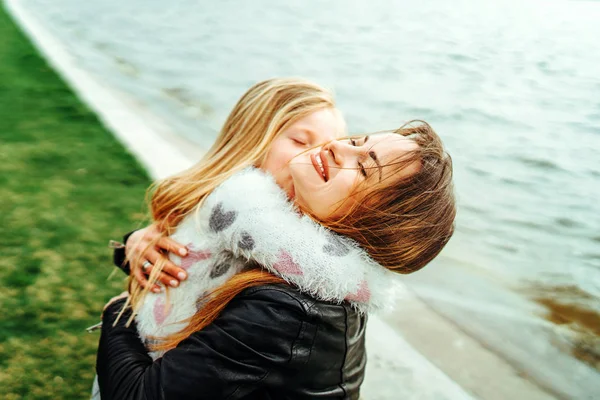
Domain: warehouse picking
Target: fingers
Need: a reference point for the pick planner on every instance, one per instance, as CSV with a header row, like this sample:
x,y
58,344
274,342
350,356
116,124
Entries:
x,y
172,246
151,255
137,248
140,277
166,275
139,240
174,271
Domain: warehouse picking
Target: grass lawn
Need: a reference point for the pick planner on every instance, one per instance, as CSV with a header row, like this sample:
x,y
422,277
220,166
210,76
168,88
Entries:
x,y
66,188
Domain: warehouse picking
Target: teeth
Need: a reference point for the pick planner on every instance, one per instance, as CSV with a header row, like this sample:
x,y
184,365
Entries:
x,y
320,162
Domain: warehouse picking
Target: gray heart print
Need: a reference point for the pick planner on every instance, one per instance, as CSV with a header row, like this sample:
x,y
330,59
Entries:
x,y
246,242
220,219
335,247
219,269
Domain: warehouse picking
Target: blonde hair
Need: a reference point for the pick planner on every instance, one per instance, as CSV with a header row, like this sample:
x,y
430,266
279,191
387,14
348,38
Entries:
x,y
261,114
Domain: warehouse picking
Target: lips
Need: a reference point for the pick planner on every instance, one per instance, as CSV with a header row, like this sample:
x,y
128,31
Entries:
x,y
323,157
319,161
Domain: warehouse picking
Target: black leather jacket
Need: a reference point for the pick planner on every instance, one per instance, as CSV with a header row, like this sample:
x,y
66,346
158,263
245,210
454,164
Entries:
x,y
270,342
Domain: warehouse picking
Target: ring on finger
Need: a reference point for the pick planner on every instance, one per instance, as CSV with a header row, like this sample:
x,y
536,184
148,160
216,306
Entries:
x,y
147,264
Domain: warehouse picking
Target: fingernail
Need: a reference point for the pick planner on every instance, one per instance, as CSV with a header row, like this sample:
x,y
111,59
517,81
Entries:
x,y
156,290
181,276
174,283
183,252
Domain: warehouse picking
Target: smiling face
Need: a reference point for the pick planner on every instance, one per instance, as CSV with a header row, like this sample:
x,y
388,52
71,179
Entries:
x,y
325,178
317,128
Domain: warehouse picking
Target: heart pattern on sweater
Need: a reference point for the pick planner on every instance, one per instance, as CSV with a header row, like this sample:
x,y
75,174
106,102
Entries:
x,y
221,219
161,311
362,295
246,242
219,269
194,256
285,264
335,246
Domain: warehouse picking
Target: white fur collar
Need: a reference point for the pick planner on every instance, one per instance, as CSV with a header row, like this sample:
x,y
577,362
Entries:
x,y
253,219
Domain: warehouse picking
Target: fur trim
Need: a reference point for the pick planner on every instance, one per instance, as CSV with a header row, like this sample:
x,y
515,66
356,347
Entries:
x,y
249,218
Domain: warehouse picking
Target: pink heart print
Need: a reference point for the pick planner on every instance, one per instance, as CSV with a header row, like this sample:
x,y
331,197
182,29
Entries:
x,y
286,265
194,256
362,295
161,310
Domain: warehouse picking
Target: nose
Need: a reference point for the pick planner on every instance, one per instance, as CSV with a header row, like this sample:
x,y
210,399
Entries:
x,y
341,151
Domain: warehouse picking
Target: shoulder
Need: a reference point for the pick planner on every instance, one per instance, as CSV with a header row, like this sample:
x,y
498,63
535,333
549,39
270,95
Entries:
x,y
268,308
284,312
287,305
272,323
285,296
322,333
288,297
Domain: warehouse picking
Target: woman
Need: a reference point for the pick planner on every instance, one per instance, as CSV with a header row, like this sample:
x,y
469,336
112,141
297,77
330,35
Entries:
x,y
258,338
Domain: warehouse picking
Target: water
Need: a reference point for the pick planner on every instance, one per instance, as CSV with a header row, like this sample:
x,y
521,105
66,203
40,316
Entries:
x,y
513,87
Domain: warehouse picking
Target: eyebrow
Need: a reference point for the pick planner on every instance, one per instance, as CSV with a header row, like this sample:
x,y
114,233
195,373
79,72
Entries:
x,y
307,131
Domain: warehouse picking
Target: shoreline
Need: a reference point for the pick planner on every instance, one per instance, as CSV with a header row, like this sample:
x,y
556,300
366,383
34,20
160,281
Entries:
x,y
162,153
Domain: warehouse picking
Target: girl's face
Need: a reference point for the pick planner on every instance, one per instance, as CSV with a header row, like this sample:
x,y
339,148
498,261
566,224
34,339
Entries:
x,y
317,128
325,178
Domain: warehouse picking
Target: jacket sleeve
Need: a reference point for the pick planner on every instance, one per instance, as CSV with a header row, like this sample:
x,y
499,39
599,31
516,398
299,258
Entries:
x,y
256,337
119,256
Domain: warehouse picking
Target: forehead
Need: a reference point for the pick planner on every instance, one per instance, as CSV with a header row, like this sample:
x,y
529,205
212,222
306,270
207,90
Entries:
x,y
389,146
324,125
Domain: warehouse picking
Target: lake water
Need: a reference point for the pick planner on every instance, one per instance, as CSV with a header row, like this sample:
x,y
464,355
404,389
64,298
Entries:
x,y
513,87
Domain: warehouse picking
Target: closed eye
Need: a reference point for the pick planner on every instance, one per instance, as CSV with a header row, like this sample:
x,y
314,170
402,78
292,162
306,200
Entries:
x,y
363,171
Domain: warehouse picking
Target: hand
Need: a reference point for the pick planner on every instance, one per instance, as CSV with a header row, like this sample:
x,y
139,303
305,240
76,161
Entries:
x,y
171,274
119,297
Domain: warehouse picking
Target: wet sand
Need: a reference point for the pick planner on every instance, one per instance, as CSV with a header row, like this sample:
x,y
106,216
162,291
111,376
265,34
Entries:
x,y
570,307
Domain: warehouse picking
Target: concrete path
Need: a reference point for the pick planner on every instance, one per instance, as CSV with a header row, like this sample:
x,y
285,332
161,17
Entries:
x,y
395,369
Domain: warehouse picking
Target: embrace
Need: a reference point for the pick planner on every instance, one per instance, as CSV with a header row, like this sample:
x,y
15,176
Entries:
x,y
255,279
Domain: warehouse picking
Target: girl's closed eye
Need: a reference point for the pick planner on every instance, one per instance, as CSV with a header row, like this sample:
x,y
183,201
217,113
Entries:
x,y
300,139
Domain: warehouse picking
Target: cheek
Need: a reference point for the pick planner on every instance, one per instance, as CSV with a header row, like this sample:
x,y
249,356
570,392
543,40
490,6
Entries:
x,y
345,184
281,156
334,196
273,162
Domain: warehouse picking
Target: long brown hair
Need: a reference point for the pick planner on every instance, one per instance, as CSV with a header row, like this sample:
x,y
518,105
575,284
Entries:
x,y
402,224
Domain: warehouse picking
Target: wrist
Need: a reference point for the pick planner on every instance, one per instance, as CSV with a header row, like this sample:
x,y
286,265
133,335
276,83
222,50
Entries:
x,y
119,254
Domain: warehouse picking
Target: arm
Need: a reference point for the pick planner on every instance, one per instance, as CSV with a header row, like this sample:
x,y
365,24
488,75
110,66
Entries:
x,y
245,348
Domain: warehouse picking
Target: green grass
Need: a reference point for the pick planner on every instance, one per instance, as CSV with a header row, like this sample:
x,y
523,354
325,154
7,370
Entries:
x,y
66,188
